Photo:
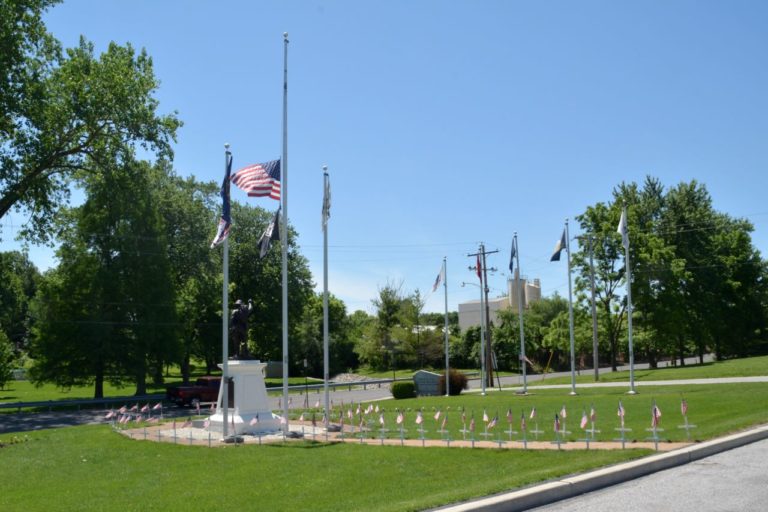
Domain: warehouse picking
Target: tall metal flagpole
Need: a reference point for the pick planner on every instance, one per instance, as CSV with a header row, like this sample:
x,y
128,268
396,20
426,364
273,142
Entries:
x,y
445,329
570,309
520,317
625,242
325,294
225,326
284,230
595,358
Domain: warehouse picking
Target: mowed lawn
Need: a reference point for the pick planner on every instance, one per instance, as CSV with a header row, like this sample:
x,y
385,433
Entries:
x,y
91,468
94,468
747,367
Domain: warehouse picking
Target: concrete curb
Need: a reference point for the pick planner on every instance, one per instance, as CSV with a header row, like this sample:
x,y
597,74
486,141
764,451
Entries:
x,y
557,490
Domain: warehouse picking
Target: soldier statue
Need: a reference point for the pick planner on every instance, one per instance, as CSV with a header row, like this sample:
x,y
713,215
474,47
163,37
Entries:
x,y
238,328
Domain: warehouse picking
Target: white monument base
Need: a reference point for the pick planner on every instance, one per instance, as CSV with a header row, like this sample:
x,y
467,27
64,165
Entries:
x,y
250,413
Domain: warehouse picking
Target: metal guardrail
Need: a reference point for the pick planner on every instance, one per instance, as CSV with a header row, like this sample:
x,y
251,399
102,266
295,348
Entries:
x,y
79,402
90,402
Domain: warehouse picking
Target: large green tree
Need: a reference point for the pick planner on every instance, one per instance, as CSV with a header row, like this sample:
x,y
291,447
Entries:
x,y
19,277
66,115
108,311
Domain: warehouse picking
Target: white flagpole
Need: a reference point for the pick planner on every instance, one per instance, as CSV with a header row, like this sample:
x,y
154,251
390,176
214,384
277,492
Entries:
x,y
325,296
570,309
520,317
625,242
445,329
225,326
284,230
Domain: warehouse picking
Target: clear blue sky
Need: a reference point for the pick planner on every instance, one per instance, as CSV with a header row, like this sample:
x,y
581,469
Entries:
x,y
447,123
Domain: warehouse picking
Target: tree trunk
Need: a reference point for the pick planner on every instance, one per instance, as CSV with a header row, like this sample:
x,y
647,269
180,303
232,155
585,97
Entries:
x,y
98,391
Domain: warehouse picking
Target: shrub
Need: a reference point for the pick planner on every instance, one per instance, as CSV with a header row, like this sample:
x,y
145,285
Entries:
x,y
405,389
458,382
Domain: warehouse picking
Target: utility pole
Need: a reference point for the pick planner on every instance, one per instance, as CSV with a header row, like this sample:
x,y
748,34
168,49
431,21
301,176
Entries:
x,y
489,348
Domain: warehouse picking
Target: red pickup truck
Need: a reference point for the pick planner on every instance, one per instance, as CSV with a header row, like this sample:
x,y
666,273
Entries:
x,y
205,389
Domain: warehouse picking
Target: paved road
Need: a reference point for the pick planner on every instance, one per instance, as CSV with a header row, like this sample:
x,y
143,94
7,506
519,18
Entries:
x,y
735,480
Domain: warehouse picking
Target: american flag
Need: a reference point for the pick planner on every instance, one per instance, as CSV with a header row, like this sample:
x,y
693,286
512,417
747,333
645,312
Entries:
x,y
254,420
317,404
522,421
259,180
145,408
592,414
419,418
157,406
684,407
493,421
472,424
437,415
445,420
381,419
655,415
563,413
400,418
584,420
509,416
123,410
135,408
485,417
557,423
533,413
301,418
109,415
621,411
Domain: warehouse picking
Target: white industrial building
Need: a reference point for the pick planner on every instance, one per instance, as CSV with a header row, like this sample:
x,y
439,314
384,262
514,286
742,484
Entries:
x,y
469,312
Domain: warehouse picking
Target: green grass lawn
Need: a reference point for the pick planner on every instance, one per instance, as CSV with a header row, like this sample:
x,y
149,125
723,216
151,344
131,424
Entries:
x,y
92,468
751,366
715,409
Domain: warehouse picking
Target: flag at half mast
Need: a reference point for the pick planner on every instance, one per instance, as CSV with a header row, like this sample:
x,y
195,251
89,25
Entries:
x,y
272,232
259,180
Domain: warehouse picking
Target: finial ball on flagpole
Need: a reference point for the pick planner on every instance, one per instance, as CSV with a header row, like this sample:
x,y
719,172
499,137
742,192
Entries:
x,y
285,35
325,168
226,145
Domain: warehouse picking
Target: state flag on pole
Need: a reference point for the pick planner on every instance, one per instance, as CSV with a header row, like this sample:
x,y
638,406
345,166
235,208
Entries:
x,y
272,232
259,180
584,419
222,232
326,201
512,258
561,244
438,279
622,229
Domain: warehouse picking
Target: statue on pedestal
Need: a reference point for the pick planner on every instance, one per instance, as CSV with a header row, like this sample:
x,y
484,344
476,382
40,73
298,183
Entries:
x,y
238,329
